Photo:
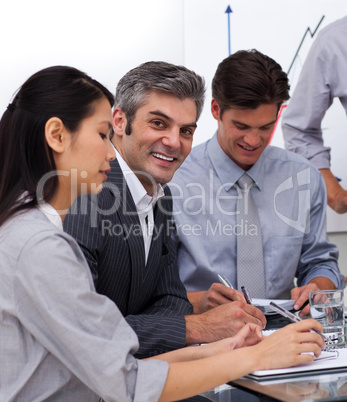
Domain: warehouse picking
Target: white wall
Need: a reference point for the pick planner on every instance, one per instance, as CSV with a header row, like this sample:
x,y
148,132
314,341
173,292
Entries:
x,y
104,38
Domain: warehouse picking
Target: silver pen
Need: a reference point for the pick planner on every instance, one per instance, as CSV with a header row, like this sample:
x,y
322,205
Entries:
x,y
292,317
225,281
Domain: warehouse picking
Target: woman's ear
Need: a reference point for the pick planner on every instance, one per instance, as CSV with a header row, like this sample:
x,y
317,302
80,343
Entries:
x,y
55,133
119,122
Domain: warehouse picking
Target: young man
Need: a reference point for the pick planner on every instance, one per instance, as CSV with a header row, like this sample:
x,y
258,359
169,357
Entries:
x,y
285,190
125,231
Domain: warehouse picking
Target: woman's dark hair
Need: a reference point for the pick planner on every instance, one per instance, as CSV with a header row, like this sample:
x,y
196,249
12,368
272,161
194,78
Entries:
x,y
59,91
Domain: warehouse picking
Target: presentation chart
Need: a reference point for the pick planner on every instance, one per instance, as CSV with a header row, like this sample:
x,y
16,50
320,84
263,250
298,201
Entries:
x,y
283,30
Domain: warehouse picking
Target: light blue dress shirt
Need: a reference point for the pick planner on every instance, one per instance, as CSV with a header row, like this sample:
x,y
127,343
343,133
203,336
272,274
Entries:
x,y
323,78
291,201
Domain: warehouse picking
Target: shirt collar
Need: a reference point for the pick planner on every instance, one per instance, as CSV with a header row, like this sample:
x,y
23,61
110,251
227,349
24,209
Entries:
x,y
141,199
47,209
227,171
51,214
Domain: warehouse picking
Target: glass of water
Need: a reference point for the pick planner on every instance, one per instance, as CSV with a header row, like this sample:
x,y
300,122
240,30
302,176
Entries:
x,y
327,307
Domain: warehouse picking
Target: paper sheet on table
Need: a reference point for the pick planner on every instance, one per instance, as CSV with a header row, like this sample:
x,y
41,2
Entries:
x,y
328,362
264,305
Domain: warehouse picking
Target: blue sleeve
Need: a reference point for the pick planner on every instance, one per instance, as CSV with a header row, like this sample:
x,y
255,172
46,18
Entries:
x,y
318,256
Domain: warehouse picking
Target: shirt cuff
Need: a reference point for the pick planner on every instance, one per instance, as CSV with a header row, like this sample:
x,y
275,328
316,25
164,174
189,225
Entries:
x,y
151,378
336,277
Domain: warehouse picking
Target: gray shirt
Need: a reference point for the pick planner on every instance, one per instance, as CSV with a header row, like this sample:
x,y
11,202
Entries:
x,y
59,339
291,201
323,78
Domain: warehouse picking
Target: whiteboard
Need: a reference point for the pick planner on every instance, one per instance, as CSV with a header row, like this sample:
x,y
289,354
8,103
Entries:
x,y
106,38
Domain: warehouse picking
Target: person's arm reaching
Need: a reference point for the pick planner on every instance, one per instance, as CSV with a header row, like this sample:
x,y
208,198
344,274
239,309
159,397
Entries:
x,y
189,378
317,268
337,195
318,85
312,97
223,321
300,294
249,335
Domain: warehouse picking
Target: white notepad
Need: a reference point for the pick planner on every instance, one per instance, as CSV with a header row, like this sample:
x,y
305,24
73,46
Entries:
x,y
264,305
328,362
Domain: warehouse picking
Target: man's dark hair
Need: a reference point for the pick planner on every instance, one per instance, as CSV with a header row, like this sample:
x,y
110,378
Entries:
x,y
248,79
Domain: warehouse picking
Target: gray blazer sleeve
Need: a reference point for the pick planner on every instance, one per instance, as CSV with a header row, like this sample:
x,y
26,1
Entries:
x,y
151,297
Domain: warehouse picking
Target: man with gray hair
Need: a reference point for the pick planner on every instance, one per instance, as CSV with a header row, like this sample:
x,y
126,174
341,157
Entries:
x,y
124,231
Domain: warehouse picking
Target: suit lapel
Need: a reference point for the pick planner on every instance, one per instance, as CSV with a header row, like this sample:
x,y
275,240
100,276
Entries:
x,y
155,249
129,220
158,248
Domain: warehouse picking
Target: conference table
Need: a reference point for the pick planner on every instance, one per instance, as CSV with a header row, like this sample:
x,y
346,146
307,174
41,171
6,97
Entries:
x,y
327,387
323,387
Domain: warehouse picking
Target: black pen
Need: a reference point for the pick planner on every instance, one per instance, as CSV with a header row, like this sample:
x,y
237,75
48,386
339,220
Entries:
x,y
247,295
303,306
292,317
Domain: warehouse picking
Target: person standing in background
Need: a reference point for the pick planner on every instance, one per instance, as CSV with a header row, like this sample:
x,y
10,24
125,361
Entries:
x,y
323,78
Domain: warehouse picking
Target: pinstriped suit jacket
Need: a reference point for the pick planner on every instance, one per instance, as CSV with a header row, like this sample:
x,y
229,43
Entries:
x,y
151,297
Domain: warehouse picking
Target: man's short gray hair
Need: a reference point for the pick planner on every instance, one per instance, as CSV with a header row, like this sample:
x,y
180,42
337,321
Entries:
x,y
135,86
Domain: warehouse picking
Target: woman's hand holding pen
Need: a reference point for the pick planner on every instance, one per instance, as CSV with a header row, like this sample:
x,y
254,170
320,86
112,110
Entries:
x,y
294,344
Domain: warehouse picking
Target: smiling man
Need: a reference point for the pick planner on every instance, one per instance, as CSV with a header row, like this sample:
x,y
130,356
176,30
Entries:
x,y
160,138
124,232
216,216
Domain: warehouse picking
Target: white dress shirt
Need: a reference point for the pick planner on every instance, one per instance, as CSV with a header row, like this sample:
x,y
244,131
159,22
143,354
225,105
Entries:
x,y
51,214
144,202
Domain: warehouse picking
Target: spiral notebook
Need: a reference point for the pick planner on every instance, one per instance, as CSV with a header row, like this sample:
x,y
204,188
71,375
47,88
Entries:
x,y
329,361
